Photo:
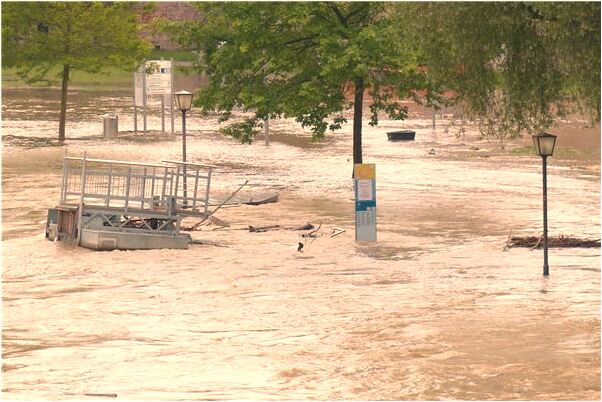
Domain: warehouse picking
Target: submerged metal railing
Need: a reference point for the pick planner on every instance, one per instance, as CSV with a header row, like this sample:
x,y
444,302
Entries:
x,y
135,185
191,176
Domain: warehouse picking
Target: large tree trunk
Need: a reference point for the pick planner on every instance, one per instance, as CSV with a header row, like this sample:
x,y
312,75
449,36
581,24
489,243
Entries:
x,y
63,115
357,120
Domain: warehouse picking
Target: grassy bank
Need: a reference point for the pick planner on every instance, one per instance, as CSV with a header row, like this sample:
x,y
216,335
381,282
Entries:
x,y
176,55
111,79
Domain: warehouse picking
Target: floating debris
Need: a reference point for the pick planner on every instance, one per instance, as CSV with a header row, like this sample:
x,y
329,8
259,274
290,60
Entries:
x,y
401,135
103,395
262,199
259,229
553,242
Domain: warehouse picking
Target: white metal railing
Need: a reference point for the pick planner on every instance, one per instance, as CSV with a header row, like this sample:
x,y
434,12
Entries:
x,y
135,185
195,176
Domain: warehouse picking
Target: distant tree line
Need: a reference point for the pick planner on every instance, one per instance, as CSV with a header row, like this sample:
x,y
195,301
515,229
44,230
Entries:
x,y
514,67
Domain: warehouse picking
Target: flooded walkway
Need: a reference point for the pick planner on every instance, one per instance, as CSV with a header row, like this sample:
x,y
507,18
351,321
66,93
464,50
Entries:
x,y
436,310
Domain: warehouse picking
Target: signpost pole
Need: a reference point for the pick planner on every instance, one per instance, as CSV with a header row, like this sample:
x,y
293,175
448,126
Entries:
x,y
135,111
266,124
365,202
171,111
144,97
163,114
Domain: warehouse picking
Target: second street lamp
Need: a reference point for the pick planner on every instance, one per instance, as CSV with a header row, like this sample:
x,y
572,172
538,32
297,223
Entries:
x,y
184,103
544,145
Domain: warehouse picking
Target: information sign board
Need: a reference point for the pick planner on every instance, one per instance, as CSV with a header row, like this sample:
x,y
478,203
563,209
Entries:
x,y
157,80
158,77
154,80
365,201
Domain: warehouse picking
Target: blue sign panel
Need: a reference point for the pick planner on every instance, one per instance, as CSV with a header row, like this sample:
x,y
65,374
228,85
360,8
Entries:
x,y
365,202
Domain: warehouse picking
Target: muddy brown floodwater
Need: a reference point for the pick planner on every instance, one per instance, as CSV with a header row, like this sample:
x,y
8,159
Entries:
x,y
435,310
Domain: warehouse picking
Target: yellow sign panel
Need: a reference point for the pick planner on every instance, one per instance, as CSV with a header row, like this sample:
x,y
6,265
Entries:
x,y
365,171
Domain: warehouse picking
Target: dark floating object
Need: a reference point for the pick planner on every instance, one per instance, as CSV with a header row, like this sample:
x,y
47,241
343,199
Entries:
x,y
402,135
260,199
103,395
555,242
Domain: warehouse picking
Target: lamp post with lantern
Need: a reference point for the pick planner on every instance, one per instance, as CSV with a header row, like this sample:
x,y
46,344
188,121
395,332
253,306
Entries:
x,y
184,103
544,145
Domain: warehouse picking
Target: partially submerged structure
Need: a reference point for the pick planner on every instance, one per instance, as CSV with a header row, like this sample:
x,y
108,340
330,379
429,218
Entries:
x,y
107,205
401,135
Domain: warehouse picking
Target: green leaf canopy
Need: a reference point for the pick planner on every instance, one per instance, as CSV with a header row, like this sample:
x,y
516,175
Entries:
x,y
85,36
303,60
514,66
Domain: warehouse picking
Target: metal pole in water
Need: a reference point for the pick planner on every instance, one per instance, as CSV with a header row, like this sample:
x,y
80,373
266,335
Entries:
x,y
171,108
81,201
546,268
184,156
135,110
266,124
162,114
144,97
64,181
544,145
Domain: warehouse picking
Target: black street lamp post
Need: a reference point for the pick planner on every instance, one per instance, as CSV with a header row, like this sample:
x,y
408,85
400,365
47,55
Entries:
x,y
544,145
184,103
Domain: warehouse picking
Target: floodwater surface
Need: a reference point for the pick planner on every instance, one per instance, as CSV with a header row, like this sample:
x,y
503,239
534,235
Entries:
x,y
436,309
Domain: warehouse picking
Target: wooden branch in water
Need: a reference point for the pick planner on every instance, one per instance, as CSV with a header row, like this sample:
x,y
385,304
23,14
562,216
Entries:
x,y
259,229
207,242
553,242
196,225
337,231
102,395
313,232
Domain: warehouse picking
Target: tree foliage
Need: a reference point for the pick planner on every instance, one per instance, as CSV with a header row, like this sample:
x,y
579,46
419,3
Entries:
x,y
85,36
514,66
303,60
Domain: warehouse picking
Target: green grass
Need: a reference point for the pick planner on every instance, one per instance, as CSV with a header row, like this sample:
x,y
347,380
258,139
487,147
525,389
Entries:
x,y
112,79
177,55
